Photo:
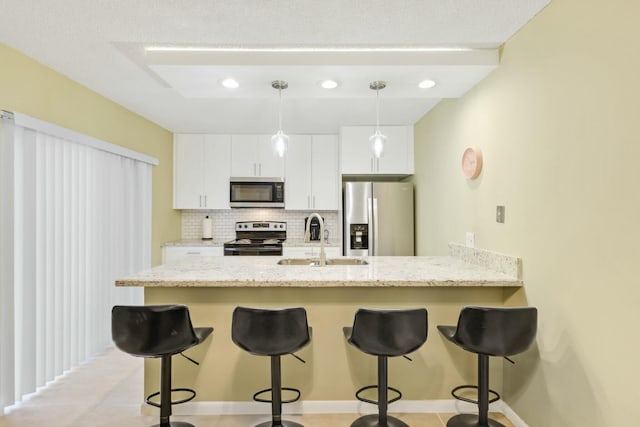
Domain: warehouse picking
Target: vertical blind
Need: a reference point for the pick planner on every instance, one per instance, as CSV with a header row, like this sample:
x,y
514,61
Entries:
x,y
74,216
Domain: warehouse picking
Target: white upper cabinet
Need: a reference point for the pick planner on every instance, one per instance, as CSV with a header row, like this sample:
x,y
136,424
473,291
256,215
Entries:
x,y
312,175
251,155
356,157
201,168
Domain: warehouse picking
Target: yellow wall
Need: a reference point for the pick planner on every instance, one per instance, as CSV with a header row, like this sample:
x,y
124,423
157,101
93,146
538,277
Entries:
x,y
559,126
29,87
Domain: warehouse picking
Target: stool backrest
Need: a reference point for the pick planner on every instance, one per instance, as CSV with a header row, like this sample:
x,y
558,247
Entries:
x,y
152,330
389,332
497,331
269,332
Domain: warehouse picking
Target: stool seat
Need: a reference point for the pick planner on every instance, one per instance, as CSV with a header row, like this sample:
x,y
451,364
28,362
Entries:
x,y
158,331
384,334
273,333
489,331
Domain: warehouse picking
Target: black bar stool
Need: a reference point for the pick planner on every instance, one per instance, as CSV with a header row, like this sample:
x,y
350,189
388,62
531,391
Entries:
x,y
272,333
385,333
489,331
158,331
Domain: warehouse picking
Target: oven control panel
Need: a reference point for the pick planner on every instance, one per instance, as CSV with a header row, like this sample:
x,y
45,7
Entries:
x,y
261,226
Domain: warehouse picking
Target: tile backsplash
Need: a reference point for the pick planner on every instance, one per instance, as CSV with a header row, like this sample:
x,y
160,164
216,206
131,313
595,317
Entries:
x,y
224,222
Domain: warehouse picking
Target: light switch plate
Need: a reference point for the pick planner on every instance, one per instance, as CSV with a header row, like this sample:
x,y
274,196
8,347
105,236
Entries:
x,y
500,214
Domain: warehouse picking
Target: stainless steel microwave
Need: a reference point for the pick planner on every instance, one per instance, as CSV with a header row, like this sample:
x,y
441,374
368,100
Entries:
x,y
256,193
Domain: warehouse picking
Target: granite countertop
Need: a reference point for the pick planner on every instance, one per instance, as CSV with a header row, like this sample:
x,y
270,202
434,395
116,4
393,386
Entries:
x,y
223,272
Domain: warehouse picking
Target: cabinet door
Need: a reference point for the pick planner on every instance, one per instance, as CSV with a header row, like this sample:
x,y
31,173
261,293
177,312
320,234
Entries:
x,y
216,170
251,155
244,159
395,157
298,176
269,164
355,150
173,254
325,174
187,171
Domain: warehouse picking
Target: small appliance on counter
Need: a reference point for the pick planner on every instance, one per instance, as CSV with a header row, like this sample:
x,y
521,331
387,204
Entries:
x,y
314,228
255,238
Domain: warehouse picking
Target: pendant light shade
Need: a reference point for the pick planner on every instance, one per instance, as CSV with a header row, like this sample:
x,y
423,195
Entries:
x,y
280,141
378,139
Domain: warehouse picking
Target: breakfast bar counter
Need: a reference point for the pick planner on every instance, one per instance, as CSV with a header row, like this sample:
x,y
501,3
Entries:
x,y
224,272
213,286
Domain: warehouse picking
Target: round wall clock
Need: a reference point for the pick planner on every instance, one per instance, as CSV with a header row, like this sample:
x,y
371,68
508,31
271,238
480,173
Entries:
x,y
471,162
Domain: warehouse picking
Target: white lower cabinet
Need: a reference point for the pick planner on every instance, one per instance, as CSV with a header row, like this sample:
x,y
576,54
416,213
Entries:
x,y
172,254
310,251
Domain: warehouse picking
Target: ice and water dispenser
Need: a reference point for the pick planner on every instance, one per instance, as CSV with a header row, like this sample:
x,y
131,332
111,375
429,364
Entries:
x,y
359,236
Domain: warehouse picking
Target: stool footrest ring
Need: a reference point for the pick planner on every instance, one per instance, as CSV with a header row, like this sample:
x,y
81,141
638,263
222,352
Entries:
x,y
474,387
177,402
369,387
266,390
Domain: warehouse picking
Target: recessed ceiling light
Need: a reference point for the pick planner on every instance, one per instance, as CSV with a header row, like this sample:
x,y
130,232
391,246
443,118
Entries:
x,y
230,83
329,84
426,84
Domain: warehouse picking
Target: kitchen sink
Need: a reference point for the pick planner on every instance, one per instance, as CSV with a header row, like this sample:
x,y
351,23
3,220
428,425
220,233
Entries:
x,y
316,261
346,261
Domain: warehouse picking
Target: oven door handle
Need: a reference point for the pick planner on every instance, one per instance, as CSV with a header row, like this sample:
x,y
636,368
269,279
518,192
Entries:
x,y
264,250
232,250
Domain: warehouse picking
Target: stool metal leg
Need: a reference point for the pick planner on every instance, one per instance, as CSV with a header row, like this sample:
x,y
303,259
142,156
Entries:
x,y
276,398
483,389
165,396
276,391
381,419
482,419
383,392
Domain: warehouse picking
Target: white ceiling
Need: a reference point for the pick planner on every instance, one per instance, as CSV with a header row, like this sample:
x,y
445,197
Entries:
x,y
102,44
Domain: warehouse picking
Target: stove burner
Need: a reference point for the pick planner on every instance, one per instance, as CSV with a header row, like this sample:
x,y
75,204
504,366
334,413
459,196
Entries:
x,y
263,238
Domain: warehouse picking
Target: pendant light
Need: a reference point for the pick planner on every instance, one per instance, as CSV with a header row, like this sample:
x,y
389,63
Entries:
x,y
280,140
378,139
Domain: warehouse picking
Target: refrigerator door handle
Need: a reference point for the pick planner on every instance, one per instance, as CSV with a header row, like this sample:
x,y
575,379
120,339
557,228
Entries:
x,y
371,250
375,227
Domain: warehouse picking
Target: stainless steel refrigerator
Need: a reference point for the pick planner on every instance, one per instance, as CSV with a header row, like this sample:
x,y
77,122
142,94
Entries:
x,y
378,218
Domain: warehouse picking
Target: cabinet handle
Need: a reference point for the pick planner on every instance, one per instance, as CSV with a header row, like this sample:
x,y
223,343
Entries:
x,y
259,169
308,201
193,253
372,170
200,202
205,200
255,170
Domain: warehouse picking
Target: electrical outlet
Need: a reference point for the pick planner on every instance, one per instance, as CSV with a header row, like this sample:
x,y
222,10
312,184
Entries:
x,y
470,239
500,214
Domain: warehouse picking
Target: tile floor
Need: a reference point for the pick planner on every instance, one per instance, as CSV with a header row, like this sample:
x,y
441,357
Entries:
x,y
106,392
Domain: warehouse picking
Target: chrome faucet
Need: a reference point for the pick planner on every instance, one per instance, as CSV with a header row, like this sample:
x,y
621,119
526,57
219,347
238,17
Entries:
x,y
307,236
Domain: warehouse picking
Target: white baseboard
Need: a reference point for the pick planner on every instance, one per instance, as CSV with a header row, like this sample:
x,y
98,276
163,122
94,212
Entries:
x,y
334,407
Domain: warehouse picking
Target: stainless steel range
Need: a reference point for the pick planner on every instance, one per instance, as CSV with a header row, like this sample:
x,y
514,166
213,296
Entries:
x,y
255,238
